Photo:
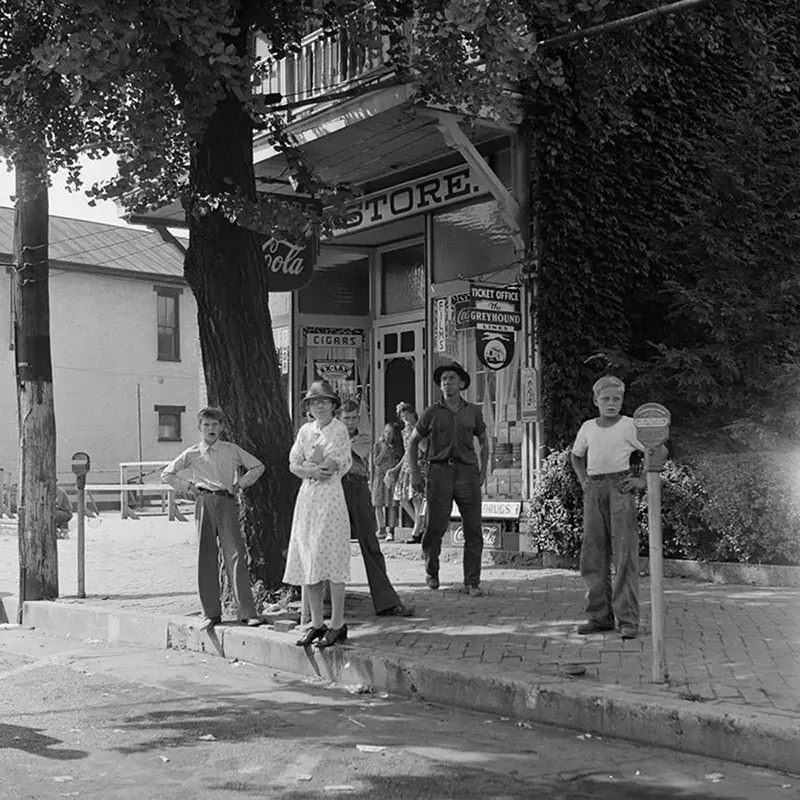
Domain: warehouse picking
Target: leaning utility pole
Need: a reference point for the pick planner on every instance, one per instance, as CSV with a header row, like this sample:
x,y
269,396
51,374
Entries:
x,y
38,554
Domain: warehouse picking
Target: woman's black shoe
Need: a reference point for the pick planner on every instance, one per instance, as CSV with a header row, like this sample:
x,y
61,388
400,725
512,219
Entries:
x,y
311,635
332,636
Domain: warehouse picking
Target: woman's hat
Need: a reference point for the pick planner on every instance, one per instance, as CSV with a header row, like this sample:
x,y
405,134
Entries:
x,y
453,366
321,390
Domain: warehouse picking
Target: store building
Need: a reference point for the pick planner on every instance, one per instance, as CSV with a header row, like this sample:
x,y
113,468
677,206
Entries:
x,y
429,267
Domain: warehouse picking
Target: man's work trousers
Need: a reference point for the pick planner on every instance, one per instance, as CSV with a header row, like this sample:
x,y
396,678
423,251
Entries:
x,y
610,532
362,527
217,517
448,482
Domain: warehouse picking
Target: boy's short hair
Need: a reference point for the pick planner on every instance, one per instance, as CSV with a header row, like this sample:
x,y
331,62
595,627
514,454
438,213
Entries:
x,y
210,412
605,382
350,405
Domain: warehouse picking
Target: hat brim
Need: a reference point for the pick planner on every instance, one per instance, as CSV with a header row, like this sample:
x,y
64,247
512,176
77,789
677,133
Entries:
x,y
460,371
335,400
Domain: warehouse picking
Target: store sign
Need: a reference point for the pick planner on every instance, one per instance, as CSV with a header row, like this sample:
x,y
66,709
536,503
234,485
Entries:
x,y
334,337
492,536
435,191
283,344
334,372
290,266
462,305
494,509
529,394
440,311
494,349
495,308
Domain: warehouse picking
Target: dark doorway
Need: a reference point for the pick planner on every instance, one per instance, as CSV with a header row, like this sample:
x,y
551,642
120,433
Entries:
x,y
399,386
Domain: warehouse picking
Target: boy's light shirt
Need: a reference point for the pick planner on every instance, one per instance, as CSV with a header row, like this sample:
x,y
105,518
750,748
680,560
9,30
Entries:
x,y
361,445
607,449
213,466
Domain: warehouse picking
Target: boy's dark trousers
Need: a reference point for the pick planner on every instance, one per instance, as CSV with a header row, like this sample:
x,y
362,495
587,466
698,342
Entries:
x,y
448,481
217,517
362,525
610,531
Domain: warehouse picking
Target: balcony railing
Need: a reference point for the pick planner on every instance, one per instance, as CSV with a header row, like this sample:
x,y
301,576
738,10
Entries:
x,y
326,65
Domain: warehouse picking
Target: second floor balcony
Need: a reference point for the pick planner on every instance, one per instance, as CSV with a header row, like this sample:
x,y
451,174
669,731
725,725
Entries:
x,y
328,67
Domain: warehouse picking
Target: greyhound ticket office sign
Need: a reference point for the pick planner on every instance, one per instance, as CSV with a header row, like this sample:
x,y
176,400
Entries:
x,y
495,349
494,312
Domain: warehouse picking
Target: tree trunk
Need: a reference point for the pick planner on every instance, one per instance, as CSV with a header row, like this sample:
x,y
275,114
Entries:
x,y
225,270
38,554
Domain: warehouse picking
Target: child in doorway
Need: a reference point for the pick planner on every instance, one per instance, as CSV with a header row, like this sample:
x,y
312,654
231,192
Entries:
x,y
387,454
601,460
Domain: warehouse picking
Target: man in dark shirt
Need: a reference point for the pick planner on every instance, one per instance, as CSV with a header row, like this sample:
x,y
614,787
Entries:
x,y
455,473
362,520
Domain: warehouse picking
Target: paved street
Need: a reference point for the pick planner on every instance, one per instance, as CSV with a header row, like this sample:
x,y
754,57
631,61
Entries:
x,y
94,721
725,644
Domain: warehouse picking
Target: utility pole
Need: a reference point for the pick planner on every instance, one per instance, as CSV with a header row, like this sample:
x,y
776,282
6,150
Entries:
x,y
38,554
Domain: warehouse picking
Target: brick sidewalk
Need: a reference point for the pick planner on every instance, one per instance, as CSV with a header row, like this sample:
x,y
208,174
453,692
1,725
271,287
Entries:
x,y
725,644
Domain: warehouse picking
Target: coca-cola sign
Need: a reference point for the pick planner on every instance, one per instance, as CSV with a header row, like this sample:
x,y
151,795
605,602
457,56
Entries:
x,y
290,266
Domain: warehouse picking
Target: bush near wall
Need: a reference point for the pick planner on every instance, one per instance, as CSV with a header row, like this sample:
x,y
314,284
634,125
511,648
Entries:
x,y
742,508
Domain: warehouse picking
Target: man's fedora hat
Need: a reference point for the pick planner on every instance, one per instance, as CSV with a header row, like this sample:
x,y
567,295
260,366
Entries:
x,y
453,366
321,390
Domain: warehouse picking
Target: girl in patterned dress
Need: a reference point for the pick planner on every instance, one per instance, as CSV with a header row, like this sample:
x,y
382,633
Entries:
x,y
400,476
386,455
319,547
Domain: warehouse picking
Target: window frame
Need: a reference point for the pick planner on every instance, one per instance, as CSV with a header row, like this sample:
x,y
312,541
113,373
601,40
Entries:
x,y
177,411
173,293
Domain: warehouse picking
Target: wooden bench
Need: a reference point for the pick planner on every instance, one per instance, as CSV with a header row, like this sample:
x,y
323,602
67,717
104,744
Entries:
x,y
124,489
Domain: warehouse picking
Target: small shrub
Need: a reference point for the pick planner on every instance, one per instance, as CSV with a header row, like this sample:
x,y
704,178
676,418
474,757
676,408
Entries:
x,y
554,519
684,531
9,497
752,507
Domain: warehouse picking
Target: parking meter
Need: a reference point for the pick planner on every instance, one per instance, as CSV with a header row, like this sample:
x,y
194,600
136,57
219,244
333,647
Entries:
x,y
651,421
81,463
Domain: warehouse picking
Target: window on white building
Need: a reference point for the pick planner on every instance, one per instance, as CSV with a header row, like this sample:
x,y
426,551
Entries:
x,y
169,423
168,322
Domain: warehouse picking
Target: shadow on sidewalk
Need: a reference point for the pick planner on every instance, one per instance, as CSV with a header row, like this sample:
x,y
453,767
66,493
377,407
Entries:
x,y
30,740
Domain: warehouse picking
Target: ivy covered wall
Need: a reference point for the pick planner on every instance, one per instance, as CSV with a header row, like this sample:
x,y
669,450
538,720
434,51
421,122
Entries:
x,y
666,183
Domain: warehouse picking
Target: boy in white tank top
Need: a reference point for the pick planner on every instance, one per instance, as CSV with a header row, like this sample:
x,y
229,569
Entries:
x,y
601,460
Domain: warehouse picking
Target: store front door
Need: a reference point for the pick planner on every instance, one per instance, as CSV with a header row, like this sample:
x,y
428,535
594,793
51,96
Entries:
x,y
399,369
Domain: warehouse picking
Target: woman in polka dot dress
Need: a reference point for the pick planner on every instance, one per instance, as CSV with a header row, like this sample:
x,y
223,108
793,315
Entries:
x,y
319,547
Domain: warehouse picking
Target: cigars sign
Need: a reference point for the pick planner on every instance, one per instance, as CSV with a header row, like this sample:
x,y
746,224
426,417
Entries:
x,y
290,266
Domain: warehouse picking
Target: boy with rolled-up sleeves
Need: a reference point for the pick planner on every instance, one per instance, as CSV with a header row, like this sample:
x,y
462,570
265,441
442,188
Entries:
x,y
213,468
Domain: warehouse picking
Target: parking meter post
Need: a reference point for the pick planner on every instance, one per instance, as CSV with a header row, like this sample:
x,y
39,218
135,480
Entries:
x,y
656,550
80,466
81,484
651,421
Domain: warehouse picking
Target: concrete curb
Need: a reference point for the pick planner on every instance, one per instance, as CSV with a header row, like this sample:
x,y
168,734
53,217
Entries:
x,y
723,731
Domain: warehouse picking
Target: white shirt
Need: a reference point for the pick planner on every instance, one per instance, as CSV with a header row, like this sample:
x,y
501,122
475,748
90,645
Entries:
x,y
607,449
213,466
